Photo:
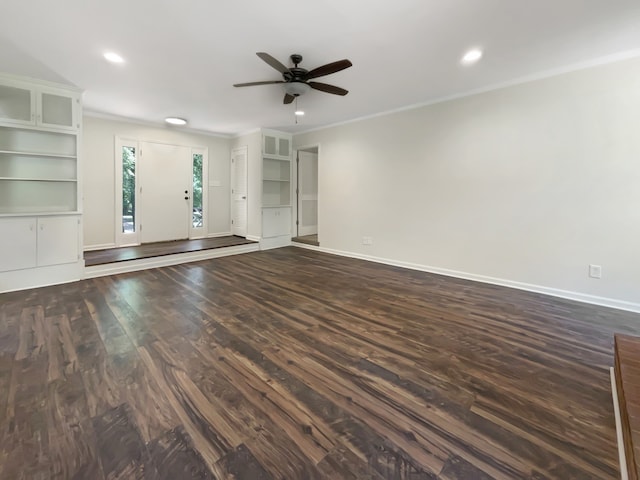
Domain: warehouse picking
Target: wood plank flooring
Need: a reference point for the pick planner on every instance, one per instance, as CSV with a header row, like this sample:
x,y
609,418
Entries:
x,y
294,364
158,249
627,370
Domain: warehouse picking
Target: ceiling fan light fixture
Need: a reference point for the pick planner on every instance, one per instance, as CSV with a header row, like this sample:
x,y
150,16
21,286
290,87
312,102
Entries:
x,y
175,121
296,88
299,113
472,56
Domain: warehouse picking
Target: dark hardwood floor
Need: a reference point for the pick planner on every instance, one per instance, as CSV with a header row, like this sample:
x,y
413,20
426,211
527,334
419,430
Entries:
x,y
158,249
293,364
627,368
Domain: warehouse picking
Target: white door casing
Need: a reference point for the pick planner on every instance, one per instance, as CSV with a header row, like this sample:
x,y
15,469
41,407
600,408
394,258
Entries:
x,y
307,193
165,192
239,190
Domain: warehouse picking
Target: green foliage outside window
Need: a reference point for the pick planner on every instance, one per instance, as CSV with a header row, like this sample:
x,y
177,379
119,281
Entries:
x,y
128,189
197,190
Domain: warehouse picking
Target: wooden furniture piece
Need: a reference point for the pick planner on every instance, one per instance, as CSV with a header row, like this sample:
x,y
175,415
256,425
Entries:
x,y
276,189
40,211
627,372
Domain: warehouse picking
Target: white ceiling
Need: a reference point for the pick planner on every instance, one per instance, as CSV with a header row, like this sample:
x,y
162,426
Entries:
x,y
182,56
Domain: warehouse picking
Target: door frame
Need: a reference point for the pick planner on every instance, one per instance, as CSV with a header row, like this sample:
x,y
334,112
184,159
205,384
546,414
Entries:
x,y
232,174
125,240
295,217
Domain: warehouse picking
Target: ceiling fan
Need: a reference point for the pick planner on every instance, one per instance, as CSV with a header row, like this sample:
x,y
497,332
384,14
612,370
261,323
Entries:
x,y
296,79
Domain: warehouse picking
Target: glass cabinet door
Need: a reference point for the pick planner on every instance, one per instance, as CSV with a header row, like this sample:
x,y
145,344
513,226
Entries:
x,y
16,104
57,110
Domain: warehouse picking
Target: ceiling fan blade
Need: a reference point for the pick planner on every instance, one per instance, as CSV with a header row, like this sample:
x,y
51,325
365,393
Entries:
x,y
251,84
288,98
329,68
272,62
325,87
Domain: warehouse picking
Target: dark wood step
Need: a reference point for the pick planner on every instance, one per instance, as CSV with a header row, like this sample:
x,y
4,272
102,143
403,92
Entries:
x,y
627,369
159,249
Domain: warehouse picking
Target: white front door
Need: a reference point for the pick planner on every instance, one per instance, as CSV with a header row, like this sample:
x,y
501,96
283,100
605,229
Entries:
x,y
165,192
239,192
307,193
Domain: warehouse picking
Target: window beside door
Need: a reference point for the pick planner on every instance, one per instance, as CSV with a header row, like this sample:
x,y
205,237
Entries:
x,y
197,208
128,189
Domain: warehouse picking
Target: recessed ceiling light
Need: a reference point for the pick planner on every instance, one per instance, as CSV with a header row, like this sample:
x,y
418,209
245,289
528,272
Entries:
x,y
299,113
175,121
472,56
113,57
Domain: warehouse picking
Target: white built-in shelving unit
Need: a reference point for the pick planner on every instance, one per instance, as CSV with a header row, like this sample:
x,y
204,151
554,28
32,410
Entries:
x,y
276,189
40,207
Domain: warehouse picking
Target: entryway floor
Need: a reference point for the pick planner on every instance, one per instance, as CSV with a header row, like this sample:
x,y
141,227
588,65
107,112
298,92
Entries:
x,y
159,249
308,239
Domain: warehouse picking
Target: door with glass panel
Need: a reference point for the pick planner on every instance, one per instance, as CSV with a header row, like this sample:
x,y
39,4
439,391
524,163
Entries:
x,y
161,192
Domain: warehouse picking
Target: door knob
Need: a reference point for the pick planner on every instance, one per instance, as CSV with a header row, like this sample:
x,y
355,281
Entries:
x,y
186,198
244,198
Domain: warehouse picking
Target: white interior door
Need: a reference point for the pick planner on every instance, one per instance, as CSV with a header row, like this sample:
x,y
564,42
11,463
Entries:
x,y
239,192
307,193
165,192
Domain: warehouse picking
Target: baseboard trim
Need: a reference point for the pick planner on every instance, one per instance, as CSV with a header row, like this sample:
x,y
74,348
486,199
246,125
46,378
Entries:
x,y
217,235
166,260
307,246
554,292
102,246
624,474
253,238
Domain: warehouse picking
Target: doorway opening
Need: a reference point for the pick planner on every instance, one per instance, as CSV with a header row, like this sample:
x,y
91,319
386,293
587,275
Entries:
x,y
307,196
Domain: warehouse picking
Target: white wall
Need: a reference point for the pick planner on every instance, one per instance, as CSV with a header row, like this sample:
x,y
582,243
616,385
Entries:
x,y
530,183
253,142
99,180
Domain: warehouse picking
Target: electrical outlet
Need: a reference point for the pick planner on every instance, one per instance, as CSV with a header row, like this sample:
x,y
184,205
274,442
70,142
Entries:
x,y
595,271
367,240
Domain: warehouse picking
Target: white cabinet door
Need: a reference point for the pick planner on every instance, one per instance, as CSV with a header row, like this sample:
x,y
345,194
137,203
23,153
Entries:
x,y
17,103
17,243
57,240
276,222
276,144
57,109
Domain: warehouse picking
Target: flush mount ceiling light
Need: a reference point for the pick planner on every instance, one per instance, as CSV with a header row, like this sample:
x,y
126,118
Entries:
x,y
471,57
113,57
299,113
175,121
